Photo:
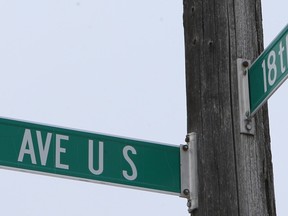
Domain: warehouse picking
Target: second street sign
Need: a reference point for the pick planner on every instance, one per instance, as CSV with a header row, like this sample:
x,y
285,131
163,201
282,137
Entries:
x,y
88,156
269,71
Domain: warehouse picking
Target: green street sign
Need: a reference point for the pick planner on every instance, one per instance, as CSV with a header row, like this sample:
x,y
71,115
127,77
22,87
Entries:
x,y
90,157
268,71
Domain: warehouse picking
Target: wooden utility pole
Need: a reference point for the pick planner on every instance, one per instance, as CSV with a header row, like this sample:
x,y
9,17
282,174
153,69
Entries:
x,y
235,170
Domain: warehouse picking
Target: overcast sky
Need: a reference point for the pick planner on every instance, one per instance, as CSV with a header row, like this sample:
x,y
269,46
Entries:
x,y
114,67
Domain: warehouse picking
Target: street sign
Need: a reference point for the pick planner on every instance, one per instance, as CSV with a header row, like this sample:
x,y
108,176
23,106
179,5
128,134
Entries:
x,y
89,156
268,71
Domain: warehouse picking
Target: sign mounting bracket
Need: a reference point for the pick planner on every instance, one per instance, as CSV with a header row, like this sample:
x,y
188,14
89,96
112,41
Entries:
x,y
189,171
247,123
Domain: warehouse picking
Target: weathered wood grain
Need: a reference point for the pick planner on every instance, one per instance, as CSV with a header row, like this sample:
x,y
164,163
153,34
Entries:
x,y
235,170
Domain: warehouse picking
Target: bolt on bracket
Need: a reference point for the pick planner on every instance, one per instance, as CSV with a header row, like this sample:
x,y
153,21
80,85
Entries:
x,y
247,123
189,171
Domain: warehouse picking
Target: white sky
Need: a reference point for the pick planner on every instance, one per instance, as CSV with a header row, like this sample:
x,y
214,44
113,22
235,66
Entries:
x,y
113,67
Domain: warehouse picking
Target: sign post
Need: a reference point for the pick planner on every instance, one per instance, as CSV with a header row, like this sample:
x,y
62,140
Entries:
x,y
268,71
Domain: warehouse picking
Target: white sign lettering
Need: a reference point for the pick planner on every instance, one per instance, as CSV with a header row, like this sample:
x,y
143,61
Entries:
x,y
43,150
27,140
95,162
27,147
270,63
91,158
133,176
60,150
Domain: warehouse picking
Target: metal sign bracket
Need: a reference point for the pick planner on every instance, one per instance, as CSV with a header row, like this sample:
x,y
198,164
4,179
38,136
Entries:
x,y
247,123
189,171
